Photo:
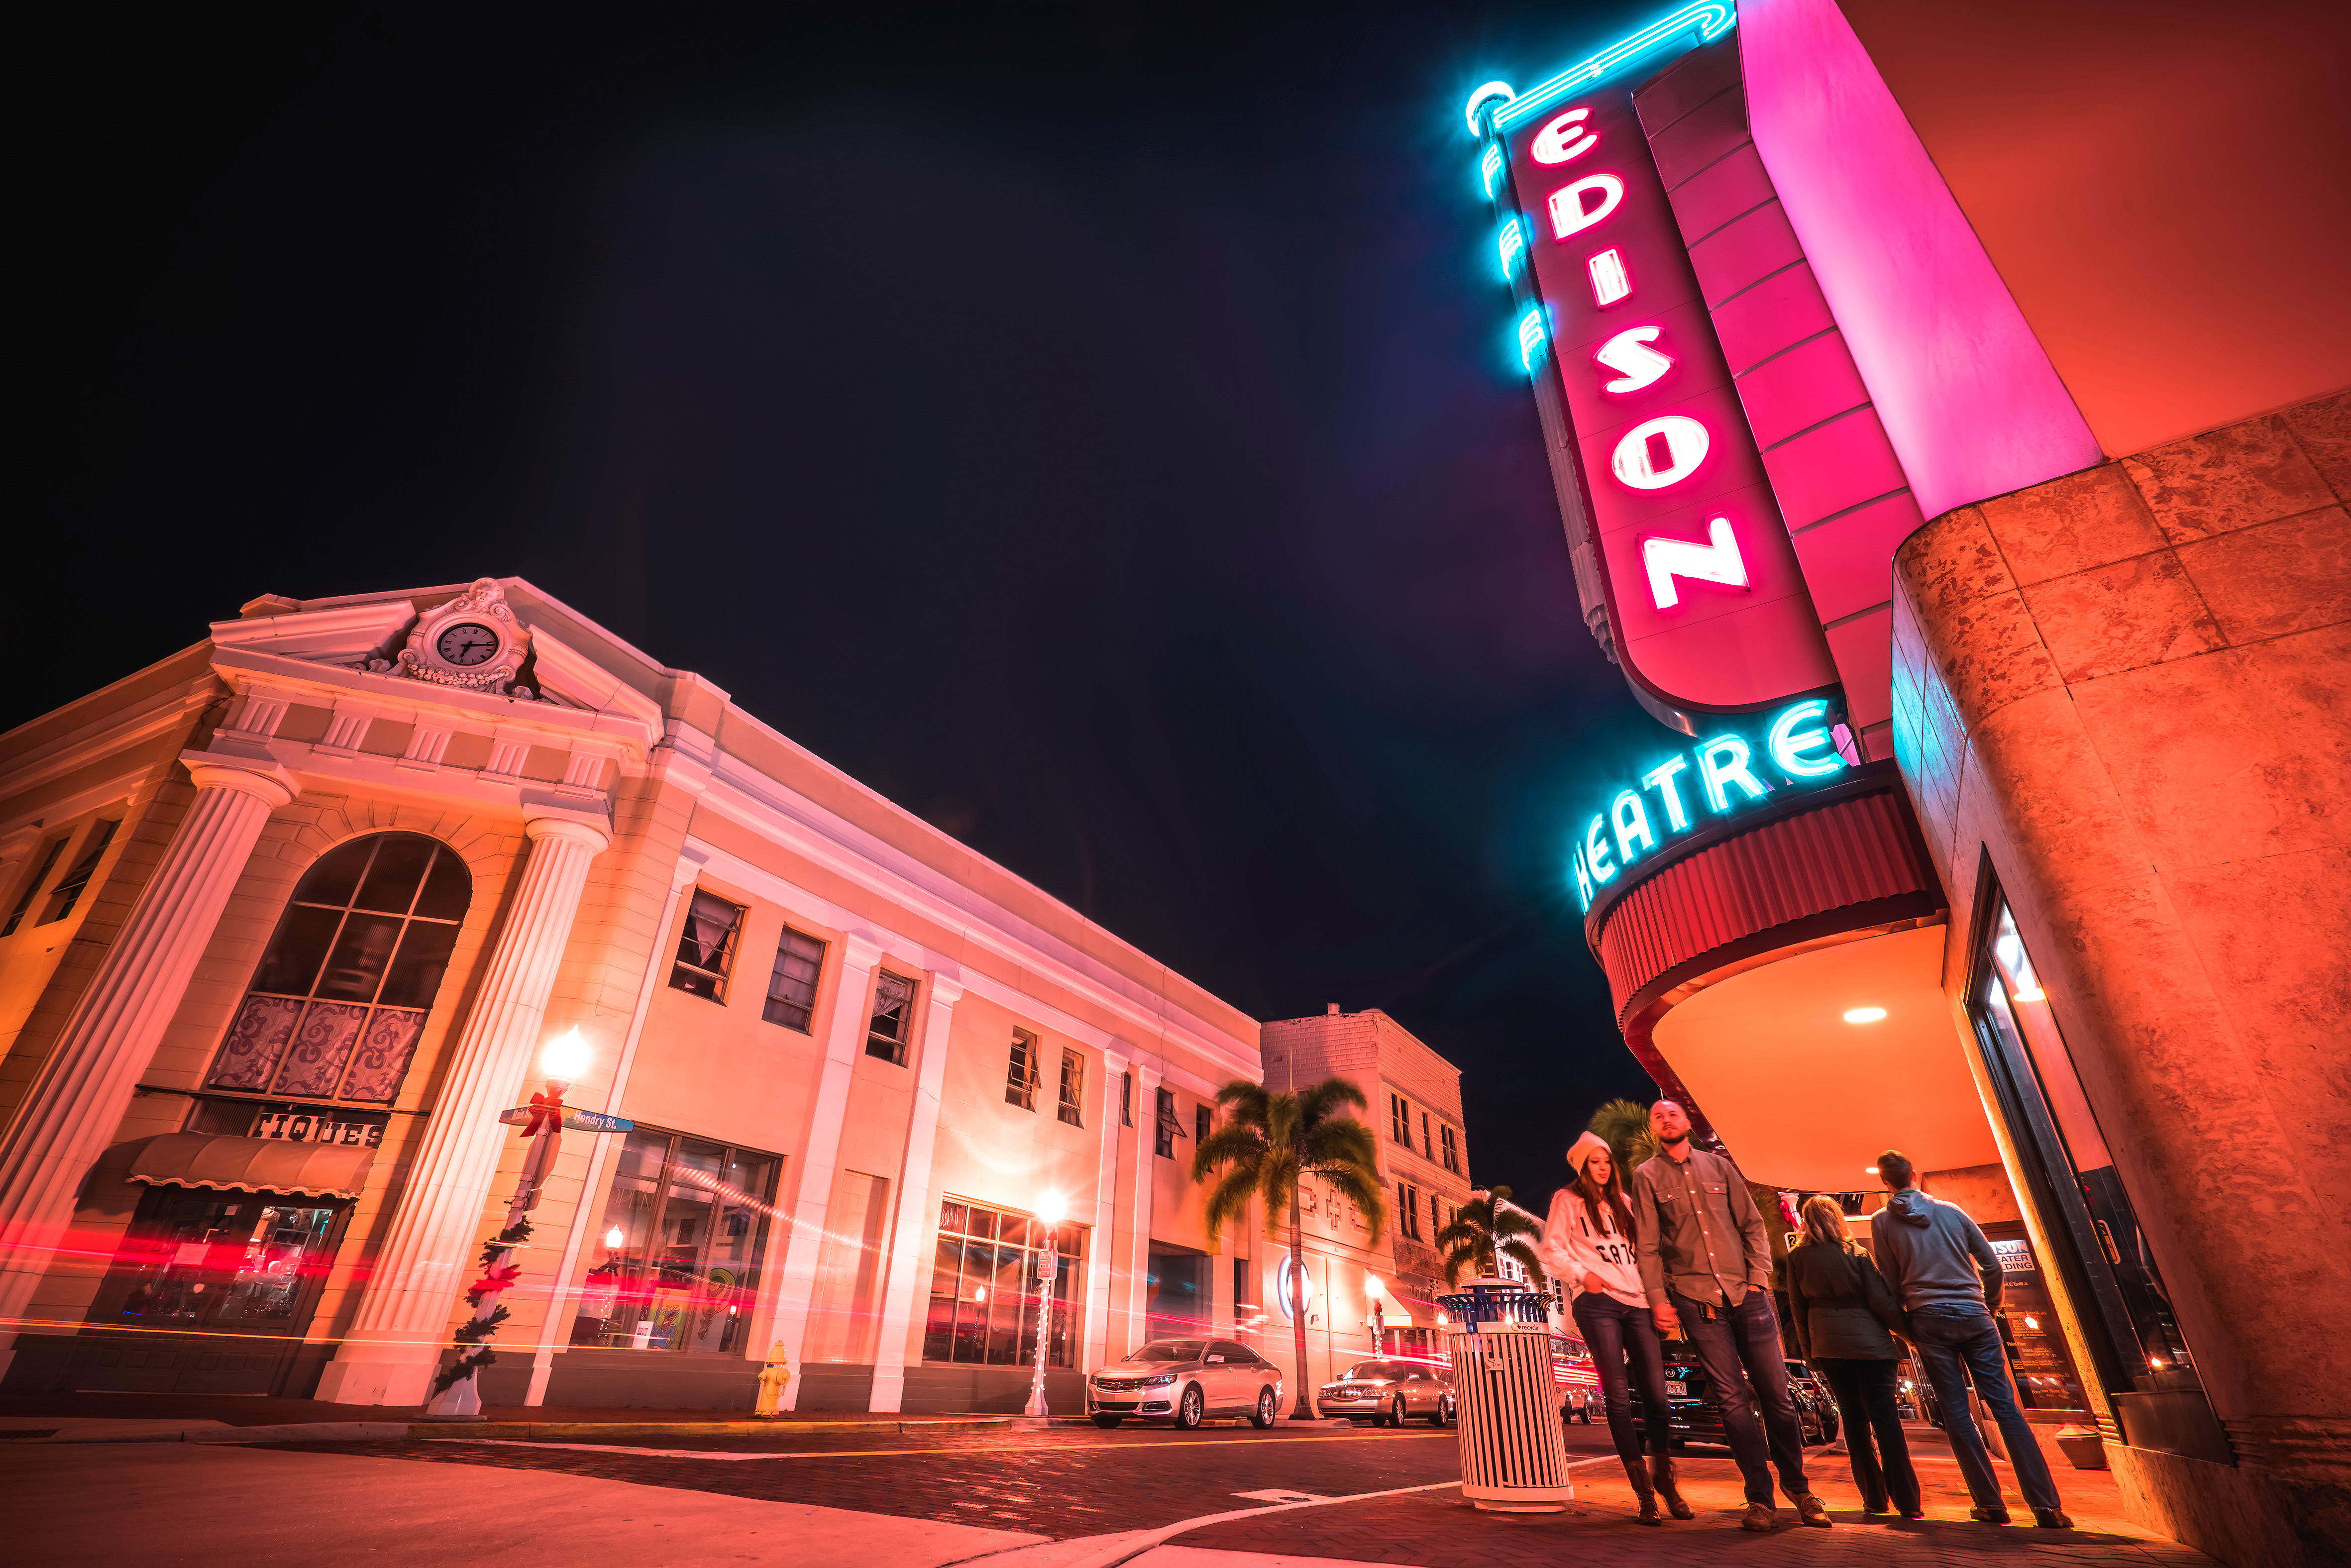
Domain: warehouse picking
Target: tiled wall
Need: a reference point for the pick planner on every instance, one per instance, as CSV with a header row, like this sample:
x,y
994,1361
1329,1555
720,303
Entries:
x,y
2130,689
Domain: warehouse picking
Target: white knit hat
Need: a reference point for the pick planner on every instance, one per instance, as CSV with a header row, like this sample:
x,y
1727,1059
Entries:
x,y
1581,1150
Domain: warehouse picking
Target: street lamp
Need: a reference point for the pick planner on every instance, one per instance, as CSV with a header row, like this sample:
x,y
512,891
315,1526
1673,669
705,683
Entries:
x,y
1049,1269
1379,1316
456,1392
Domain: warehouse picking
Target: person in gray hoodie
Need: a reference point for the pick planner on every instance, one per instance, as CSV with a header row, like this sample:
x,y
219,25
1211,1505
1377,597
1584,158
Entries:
x,y
1944,1270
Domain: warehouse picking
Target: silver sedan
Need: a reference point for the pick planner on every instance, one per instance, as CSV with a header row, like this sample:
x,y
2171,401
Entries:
x,y
1185,1381
1390,1393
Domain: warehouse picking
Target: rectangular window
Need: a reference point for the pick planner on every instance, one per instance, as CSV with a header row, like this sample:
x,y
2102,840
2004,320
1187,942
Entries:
x,y
1169,1128
71,887
1435,1219
1073,1089
1450,1148
1242,1305
889,1029
1399,1121
1020,1077
1202,1122
33,888
1126,1100
705,947
985,1280
676,1264
1408,1210
1425,1153
791,989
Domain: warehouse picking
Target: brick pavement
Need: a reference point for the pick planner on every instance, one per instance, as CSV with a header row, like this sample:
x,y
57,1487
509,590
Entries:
x,y
1441,1530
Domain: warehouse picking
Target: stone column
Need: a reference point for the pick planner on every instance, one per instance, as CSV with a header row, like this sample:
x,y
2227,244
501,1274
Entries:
x,y
819,1152
1137,1251
909,1270
427,1260
1113,1134
77,1106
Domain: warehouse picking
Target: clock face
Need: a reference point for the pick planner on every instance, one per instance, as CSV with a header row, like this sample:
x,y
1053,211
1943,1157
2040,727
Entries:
x,y
466,644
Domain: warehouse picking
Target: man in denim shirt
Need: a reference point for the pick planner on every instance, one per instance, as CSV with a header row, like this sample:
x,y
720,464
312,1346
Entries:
x,y
1939,1263
1706,1266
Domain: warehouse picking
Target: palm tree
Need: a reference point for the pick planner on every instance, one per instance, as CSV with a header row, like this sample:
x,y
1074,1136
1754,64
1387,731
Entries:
x,y
1483,1229
1625,1125
1266,1146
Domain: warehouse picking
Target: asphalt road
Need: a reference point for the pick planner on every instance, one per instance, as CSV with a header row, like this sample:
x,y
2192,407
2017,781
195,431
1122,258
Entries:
x,y
1066,1481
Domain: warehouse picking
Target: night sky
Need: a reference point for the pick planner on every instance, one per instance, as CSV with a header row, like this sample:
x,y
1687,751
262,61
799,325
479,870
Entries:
x,y
1095,430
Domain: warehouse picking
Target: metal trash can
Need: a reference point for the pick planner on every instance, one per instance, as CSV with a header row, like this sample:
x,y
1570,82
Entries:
x,y
1513,1457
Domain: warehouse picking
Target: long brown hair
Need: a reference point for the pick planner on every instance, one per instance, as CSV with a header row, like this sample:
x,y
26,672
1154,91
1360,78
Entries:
x,y
1613,1195
1825,1224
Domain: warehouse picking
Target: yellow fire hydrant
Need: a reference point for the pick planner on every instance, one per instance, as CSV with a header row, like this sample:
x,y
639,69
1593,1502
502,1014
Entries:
x,y
772,1378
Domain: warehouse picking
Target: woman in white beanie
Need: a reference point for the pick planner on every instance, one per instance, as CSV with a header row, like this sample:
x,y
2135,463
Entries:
x,y
1587,1246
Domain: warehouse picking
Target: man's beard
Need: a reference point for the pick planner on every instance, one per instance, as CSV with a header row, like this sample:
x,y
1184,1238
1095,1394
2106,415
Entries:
x,y
1669,1143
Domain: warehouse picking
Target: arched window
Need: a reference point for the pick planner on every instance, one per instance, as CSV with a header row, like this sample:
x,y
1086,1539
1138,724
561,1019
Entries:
x,y
341,995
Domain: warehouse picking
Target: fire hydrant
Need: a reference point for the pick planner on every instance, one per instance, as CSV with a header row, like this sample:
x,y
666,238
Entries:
x,y
772,1378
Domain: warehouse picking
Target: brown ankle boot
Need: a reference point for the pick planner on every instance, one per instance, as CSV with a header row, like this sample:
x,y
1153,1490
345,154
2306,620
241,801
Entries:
x,y
1661,1476
1644,1493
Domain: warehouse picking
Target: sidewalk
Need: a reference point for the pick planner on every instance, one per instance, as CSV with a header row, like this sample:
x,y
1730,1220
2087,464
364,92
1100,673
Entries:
x,y
1440,1529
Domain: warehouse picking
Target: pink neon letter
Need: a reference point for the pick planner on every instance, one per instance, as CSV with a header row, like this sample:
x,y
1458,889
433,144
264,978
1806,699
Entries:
x,y
1717,560
1567,213
1610,282
1660,452
1627,351
1563,139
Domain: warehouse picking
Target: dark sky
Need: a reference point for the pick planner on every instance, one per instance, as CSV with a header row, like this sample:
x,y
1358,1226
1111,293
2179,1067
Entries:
x,y
1093,427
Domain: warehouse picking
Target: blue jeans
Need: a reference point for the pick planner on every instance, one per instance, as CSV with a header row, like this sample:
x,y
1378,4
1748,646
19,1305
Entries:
x,y
1864,1397
1960,1344
1739,1346
1619,1337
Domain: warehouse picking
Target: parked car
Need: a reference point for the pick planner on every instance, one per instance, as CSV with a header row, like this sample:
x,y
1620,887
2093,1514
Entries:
x,y
1572,1375
1807,1384
1183,1382
1693,1415
1388,1393
1580,1405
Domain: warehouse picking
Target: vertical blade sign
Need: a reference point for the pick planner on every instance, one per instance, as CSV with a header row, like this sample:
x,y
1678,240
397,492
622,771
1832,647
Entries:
x,y
1711,609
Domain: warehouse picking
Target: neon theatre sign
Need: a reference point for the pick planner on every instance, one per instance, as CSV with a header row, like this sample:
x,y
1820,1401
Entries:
x,y
1706,602
1704,785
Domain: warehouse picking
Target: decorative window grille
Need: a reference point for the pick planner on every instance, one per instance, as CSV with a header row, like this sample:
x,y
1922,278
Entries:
x,y
339,1000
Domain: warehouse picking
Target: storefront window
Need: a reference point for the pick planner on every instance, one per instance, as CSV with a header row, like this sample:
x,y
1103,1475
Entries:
x,y
2084,1207
984,1296
228,1261
675,1262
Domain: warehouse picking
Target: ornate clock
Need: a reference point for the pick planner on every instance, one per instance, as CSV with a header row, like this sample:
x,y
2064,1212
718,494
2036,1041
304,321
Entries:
x,y
473,642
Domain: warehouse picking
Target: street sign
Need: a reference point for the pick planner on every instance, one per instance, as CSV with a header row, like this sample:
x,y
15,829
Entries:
x,y
574,1120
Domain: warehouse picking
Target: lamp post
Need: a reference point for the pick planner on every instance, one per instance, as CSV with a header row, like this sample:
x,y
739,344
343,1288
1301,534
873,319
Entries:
x,y
456,1393
1379,1316
1049,1269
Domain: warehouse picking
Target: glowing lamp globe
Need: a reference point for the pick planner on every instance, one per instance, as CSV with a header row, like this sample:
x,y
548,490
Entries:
x,y
1372,1285
564,1058
1052,1208
615,1239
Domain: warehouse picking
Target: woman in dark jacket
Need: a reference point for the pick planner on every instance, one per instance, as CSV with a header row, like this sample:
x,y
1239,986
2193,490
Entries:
x,y
1842,1307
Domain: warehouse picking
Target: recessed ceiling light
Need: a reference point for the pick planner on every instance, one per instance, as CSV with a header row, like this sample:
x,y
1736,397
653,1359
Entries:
x,y
1864,1015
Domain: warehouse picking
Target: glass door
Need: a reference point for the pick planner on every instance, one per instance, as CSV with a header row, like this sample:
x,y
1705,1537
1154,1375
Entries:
x,y
2108,1268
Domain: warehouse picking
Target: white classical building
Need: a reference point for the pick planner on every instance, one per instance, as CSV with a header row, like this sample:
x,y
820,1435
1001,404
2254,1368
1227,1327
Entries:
x,y
290,914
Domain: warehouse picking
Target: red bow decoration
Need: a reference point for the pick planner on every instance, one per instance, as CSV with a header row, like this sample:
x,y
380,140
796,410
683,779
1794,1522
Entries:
x,y
494,1280
548,1108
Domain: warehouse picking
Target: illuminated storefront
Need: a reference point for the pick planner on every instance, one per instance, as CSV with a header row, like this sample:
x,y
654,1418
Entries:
x,y
1985,554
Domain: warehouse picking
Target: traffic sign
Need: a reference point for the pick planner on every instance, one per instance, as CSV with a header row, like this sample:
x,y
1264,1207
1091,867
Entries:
x,y
574,1120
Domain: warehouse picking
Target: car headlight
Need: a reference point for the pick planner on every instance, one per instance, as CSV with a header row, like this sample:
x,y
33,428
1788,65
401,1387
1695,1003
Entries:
x,y
1159,1382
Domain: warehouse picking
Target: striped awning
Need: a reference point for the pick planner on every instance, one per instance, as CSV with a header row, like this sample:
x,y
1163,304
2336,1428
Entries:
x,y
254,1165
